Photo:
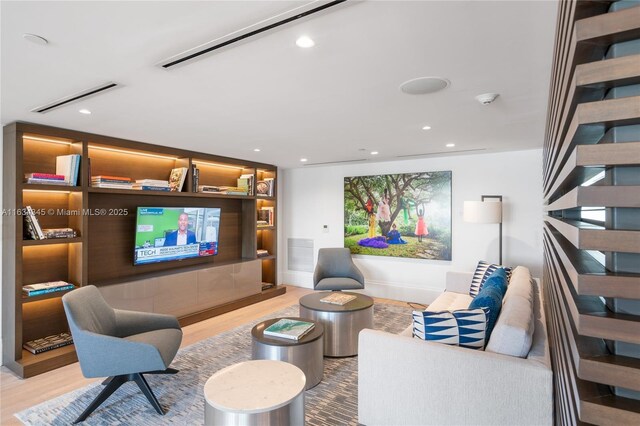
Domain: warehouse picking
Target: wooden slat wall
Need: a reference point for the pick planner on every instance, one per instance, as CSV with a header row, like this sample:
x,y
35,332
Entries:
x,y
592,265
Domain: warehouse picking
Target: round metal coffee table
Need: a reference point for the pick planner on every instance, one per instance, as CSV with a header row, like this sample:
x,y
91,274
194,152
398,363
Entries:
x,y
252,393
342,323
306,353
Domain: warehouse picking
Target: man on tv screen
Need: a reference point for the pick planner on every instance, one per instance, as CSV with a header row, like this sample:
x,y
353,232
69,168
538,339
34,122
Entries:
x,y
182,236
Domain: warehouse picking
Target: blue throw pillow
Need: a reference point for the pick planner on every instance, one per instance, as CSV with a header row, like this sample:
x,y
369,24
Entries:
x,y
490,297
499,280
465,327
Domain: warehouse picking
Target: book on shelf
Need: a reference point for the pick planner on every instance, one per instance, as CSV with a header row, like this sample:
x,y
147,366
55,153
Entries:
x,y
111,179
45,178
262,253
246,181
141,187
152,182
195,174
48,343
112,185
33,223
68,166
337,298
176,178
267,286
289,329
44,288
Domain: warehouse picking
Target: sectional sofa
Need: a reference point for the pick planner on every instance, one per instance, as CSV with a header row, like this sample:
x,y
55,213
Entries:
x,y
407,381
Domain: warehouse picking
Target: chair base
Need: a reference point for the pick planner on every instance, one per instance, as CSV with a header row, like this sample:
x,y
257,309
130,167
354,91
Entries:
x,y
113,383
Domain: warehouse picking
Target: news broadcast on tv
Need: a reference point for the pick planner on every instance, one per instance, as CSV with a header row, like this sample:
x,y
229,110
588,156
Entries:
x,y
174,233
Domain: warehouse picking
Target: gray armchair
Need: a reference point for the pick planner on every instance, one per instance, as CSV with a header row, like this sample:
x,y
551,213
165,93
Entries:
x,y
122,345
336,271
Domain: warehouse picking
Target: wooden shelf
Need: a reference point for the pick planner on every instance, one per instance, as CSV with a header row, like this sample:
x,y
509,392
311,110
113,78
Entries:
x,y
266,228
45,187
261,197
166,193
46,296
270,257
51,241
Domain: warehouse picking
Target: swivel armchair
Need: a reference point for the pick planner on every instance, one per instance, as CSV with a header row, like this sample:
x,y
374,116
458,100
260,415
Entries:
x,y
122,345
336,271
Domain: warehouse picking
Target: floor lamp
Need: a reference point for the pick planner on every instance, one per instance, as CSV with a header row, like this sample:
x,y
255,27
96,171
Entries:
x,y
488,210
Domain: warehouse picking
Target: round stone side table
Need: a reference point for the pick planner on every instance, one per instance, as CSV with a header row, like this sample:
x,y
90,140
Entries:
x,y
253,393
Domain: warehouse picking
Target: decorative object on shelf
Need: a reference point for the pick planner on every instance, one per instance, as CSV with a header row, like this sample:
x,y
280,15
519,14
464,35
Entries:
x,y
262,253
486,212
338,298
289,329
264,188
48,343
68,166
176,178
419,204
266,216
45,288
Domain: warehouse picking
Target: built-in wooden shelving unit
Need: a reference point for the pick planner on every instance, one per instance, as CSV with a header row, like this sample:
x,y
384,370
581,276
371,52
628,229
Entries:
x,y
102,253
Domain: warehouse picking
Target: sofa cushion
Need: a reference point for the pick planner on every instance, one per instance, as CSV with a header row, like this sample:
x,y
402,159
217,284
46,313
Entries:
x,y
489,297
482,273
513,332
465,327
450,301
520,284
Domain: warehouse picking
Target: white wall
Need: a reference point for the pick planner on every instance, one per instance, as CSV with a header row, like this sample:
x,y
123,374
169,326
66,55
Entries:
x,y
313,196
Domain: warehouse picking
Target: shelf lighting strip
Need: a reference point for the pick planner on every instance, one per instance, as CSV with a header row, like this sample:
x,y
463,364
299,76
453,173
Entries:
x,y
46,190
226,166
36,138
124,151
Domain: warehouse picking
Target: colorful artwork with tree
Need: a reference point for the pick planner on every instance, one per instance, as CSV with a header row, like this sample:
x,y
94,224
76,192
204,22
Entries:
x,y
399,215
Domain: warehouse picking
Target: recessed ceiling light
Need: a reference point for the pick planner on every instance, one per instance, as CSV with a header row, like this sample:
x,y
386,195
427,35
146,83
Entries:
x,y
450,145
305,42
374,152
84,111
424,85
303,160
426,128
33,38
256,149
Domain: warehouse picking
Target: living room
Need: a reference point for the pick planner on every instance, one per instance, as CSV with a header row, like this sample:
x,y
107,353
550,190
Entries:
x,y
272,107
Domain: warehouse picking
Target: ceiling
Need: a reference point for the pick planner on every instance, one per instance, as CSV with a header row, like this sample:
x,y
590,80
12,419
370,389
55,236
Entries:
x,y
334,102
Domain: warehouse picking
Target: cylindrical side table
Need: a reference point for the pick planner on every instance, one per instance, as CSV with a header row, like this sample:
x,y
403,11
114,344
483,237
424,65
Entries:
x,y
252,393
342,323
305,353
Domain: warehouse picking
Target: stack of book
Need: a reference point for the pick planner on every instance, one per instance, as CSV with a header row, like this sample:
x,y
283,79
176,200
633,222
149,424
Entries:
x,y
229,190
45,288
338,298
31,225
113,182
265,216
151,185
195,173
246,182
262,253
68,166
59,233
48,343
264,188
45,178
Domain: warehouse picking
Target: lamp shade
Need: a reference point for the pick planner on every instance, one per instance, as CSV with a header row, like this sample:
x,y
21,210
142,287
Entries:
x,y
483,211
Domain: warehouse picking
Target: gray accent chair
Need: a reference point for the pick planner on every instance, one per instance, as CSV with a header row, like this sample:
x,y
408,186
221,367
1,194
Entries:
x,y
120,345
336,271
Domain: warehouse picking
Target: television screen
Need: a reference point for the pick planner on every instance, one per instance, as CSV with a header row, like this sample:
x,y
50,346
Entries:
x,y
175,233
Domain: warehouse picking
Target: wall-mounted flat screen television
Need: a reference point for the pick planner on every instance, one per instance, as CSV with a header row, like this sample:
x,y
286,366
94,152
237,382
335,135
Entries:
x,y
175,233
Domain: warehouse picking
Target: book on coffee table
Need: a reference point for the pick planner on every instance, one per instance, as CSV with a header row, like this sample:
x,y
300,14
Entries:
x,y
289,329
338,298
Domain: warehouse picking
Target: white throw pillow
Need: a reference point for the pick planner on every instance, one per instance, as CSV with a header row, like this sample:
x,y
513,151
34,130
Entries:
x,y
513,333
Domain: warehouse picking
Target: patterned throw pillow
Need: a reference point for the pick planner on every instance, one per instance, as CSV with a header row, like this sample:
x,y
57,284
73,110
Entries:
x,y
482,273
465,327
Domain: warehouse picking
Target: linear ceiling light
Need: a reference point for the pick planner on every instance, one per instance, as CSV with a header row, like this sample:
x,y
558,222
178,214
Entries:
x,y
251,30
73,98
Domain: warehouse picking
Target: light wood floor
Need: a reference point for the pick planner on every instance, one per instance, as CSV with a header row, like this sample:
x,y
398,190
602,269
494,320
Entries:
x,y
18,394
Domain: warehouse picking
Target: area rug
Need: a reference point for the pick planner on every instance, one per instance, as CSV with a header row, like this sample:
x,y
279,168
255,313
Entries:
x,y
332,402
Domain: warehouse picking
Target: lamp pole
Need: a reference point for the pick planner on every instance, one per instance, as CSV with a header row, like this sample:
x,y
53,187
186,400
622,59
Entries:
x,y
498,198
